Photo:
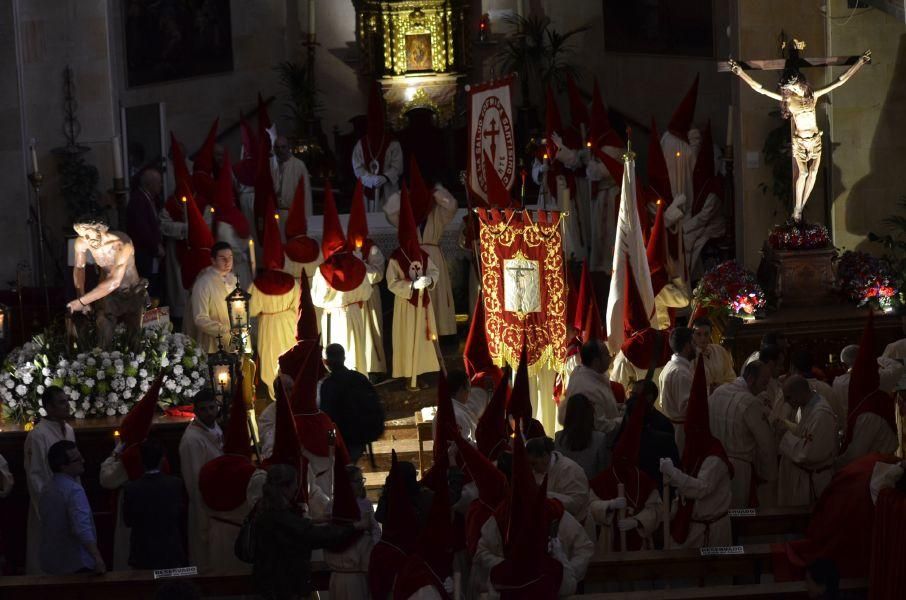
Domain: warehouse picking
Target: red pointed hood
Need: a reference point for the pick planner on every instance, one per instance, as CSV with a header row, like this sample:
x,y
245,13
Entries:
x,y
445,426
398,526
864,378
593,328
520,405
646,347
357,229
204,160
492,430
299,247
306,321
264,123
582,298
552,122
435,543
578,110
601,131
490,481
376,126
613,166
273,248
498,195
180,170
704,180
658,176
264,185
699,442
247,167
626,450
287,448
681,121
657,252
476,355
247,137
634,317
224,201
312,423
303,397
345,508
136,424
407,232
420,197
333,240
198,245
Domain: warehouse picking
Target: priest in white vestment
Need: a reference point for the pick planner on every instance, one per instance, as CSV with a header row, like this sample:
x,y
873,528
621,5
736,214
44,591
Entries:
x,y
433,210
274,301
591,380
411,274
718,361
739,420
341,289
675,382
287,172
566,480
807,449
52,428
201,442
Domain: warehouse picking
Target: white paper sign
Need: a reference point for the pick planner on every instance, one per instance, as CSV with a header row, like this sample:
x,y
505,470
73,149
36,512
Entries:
x,y
742,512
180,572
722,550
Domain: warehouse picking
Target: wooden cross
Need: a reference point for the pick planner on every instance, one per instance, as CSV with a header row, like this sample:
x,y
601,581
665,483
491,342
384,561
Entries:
x,y
777,64
492,132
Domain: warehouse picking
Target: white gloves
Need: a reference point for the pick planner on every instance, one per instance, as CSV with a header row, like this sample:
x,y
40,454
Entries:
x,y
422,282
557,140
448,585
373,181
618,504
675,211
668,470
555,549
627,524
545,167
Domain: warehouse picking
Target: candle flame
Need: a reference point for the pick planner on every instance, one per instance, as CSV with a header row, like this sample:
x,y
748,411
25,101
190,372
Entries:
x,y
276,216
222,378
183,199
588,144
116,433
545,156
358,243
212,210
678,153
251,243
659,201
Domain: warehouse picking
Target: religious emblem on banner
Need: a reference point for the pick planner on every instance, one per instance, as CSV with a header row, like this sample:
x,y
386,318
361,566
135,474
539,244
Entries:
x,y
491,134
523,285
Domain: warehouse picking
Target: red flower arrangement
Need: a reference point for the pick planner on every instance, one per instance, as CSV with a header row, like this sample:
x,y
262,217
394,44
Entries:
x,y
867,281
799,235
731,288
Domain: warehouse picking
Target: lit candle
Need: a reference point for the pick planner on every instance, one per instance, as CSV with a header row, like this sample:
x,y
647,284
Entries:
x,y
311,20
238,310
520,8
252,255
185,215
117,158
34,156
116,433
358,246
223,379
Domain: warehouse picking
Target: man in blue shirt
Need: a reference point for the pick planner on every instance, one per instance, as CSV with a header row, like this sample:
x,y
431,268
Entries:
x,y
68,537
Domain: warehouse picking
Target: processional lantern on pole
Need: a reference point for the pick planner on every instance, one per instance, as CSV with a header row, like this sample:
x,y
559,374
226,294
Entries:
x,y
238,311
222,367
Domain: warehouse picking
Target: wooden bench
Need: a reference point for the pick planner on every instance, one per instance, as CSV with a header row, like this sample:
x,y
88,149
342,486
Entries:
x,y
652,565
771,521
760,591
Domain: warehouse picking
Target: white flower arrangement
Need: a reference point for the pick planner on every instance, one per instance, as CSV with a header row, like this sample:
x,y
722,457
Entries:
x,y
101,383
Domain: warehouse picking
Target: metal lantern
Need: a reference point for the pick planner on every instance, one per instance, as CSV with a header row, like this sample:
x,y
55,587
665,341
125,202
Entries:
x,y
221,366
238,311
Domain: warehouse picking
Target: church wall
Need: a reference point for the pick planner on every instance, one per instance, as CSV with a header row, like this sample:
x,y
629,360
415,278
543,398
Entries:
x,y
869,125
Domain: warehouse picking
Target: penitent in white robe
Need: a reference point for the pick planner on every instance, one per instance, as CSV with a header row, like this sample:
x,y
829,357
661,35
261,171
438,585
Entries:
x,y
349,568
567,482
242,267
603,213
392,168
286,176
198,446
375,358
413,326
807,456
578,550
113,476
173,231
890,372
343,319
871,433
441,214
574,243
209,308
596,387
740,421
225,526
601,513
708,223
276,329
711,491
37,476
675,383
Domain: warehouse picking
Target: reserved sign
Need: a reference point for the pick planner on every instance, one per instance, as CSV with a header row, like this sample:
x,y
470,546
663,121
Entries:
x,y
741,512
722,550
180,572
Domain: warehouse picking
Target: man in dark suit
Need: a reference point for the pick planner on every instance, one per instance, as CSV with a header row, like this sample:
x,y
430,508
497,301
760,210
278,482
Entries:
x,y
143,227
153,506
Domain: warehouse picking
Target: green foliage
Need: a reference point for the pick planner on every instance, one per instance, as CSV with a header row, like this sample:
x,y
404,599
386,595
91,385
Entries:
x,y
79,183
539,54
777,152
303,102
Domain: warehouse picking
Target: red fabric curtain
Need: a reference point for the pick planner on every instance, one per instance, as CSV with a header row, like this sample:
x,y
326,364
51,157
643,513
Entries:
x,y
887,579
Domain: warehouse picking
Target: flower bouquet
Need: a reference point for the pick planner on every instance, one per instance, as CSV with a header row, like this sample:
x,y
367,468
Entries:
x,y
799,235
731,289
867,281
101,383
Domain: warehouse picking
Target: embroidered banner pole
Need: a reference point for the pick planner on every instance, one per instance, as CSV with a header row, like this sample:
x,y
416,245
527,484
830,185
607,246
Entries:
x,y
523,286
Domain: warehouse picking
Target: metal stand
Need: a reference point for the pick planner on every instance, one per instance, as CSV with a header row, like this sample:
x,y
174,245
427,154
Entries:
x,y
36,179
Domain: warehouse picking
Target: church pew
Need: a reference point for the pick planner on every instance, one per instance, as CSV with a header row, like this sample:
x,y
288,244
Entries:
x,y
651,565
758,591
772,521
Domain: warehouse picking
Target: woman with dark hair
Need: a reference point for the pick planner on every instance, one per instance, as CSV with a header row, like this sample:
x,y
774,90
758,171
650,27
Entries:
x,y
798,102
579,441
284,538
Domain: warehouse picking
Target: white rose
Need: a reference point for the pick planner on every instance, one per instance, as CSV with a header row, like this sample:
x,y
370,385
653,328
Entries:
x,y
177,370
12,403
145,386
9,383
80,414
86,404
45,371
111,398
170,385
75,394
27,378
21,389
90,361
106,363
142,373
42,412
127,395
164,362
101,375
131,382
40,389
123,409
111,412
89,382
48,381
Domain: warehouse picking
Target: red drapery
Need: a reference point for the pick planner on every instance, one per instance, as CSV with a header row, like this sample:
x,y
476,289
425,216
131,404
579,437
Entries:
x,y
887,578
520,234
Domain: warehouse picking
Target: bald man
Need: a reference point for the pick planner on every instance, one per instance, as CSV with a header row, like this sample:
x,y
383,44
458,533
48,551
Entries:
x,y
807,449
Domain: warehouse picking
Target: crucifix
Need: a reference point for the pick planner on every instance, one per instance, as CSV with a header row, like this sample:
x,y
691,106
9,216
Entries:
x,y
797,103
492,132
521,300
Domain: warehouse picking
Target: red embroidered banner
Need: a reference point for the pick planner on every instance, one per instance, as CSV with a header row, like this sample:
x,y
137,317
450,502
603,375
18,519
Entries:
x,y
491,134
523,284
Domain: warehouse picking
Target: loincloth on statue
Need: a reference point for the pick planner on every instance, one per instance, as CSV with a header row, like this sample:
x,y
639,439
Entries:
x,y
807,148
124,301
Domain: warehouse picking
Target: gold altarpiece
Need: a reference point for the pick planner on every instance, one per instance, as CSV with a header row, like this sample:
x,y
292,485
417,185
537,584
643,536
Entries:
x,y
417,49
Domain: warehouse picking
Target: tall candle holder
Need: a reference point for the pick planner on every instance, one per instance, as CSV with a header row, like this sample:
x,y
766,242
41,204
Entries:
x,y
37,179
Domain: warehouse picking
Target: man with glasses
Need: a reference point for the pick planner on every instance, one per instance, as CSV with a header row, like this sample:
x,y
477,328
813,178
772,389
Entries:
x,y
68,536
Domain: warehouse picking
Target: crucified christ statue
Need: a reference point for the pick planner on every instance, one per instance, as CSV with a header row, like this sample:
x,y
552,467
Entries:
x,y
797,103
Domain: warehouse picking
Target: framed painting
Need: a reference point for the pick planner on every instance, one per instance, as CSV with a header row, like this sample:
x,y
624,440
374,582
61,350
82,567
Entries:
x,y
670,27
176,39
418,52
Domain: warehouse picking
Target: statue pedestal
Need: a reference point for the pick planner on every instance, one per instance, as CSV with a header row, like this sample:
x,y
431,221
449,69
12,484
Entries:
x,y
800,277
